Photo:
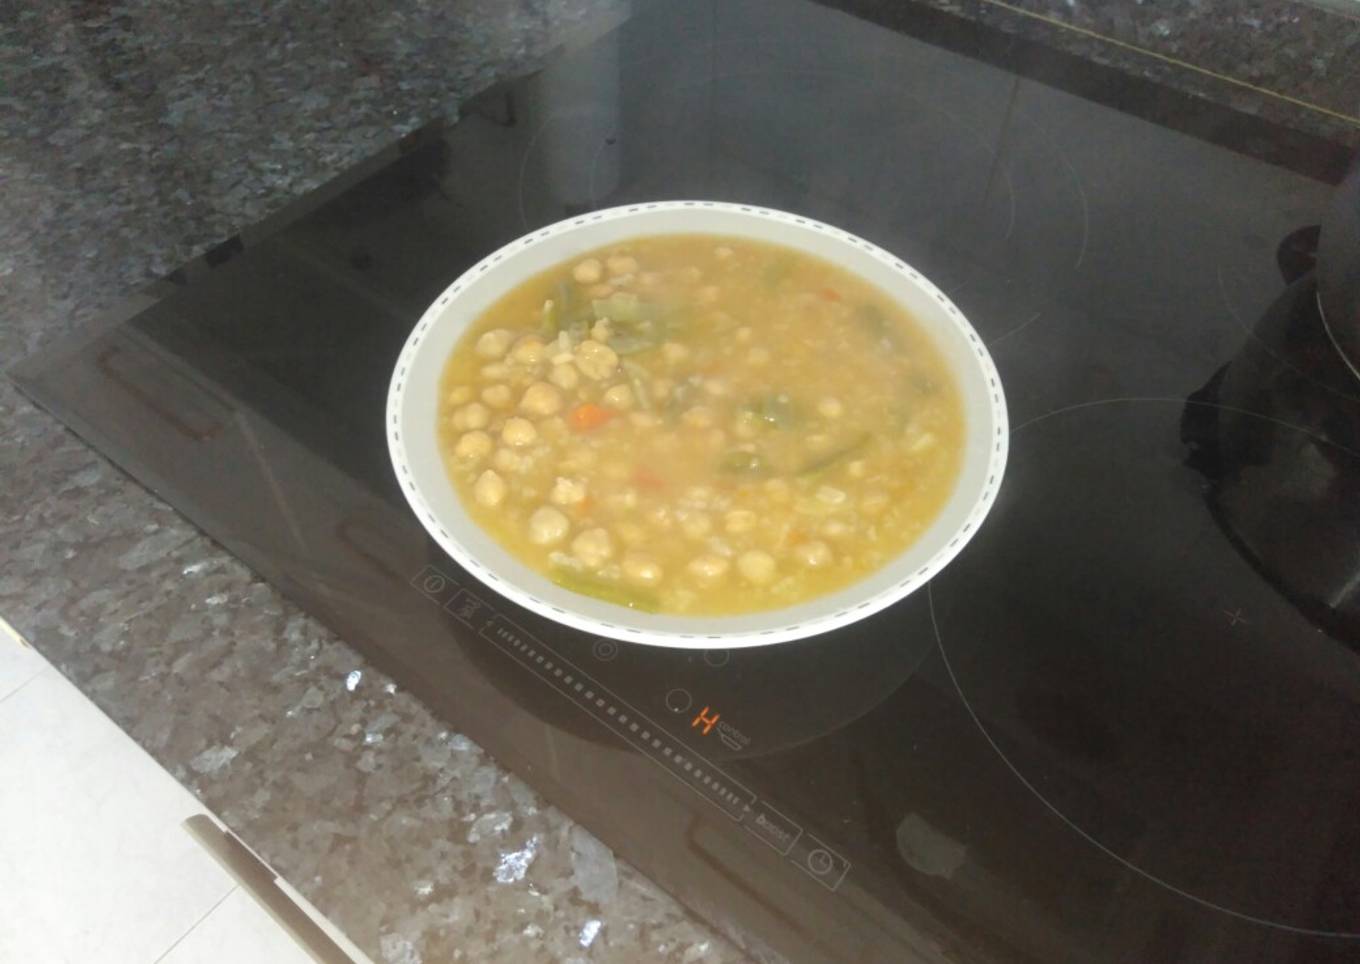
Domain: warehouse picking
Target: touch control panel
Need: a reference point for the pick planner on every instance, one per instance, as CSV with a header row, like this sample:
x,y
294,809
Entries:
x,y
808,853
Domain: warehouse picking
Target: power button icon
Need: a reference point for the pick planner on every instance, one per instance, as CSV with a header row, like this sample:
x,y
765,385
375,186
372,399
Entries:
x,y
820,862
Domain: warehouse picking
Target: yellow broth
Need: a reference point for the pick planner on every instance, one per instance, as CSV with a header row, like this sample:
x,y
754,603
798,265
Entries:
x,y
700,425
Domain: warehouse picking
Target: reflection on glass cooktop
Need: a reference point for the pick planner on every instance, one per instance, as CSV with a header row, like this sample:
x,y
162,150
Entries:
x,y
1120,726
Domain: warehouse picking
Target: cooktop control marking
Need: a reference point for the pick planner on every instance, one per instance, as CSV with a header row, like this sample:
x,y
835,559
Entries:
x,y
759,818
595,699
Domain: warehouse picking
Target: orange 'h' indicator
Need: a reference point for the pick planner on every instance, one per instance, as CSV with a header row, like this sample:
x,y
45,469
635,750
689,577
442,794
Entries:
x,y
705,719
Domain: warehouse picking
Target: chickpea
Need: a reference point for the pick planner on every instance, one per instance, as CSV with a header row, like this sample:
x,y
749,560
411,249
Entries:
x,y
757,356
698,417
518,432
621,264
674,352
529,351
497,396
600,291
744,334
567,491
588,271
460,394
489,489
695,525
508,461
924,442
564,376
830,495
661,388
708,294
756,566
708,568
494,343
540,398
691,275
496,372
723,252
778,490
873,503
660,517
641,569
737,521
630,533
596,361
471,415
746,425
836,529
547,526
473,445
619,396
715,387
815,554
553,428
858,469
600,331
594,547
644,420
830,408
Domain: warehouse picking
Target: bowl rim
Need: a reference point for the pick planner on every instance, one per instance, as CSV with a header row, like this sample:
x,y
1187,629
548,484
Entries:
x,y
997,449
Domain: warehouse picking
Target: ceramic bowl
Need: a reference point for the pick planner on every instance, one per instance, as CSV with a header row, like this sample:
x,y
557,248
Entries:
x,y
412,405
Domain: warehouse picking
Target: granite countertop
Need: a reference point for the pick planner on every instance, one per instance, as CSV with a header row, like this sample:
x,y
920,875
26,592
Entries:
x,y
136,135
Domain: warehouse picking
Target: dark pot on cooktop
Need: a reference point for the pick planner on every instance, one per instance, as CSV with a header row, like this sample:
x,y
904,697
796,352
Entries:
x,y
1276,431
1338,270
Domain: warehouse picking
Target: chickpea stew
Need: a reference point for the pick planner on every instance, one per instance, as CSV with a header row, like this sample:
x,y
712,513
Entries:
x,y
701,425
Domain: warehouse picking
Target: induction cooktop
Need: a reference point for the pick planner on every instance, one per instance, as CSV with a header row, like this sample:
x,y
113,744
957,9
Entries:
x,y
1124,724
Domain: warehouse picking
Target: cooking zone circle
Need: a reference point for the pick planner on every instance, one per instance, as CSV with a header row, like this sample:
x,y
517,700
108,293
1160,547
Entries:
x,y
1148,686
933,186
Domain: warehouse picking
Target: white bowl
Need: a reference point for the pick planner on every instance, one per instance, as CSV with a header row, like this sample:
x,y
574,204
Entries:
x,y
412,406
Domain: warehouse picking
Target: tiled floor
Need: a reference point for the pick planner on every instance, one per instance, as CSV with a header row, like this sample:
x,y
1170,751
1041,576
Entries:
x,y
94,862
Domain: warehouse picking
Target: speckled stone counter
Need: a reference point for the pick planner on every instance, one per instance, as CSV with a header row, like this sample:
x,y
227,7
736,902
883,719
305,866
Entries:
x,y
135,136
1286,61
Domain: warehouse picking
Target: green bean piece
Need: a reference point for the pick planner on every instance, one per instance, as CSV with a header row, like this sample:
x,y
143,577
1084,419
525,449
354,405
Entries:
x,y
637,381
824,462
596,588
742,462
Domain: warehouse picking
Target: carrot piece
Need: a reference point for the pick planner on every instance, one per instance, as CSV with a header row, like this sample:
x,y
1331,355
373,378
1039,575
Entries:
x,y
644,478
831,294
589,416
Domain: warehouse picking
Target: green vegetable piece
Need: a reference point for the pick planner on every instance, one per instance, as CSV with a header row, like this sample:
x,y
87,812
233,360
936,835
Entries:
x,y
779,268
777,410
569,312
623,308
682,396
824,462
597,588
878,325
632,342
563,300
923,383
741,462
637,381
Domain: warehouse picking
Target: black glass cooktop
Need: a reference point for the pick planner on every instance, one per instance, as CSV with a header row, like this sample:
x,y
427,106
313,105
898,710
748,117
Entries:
x,y
1124,725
